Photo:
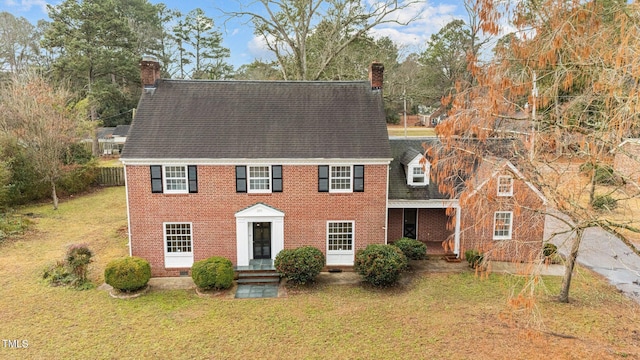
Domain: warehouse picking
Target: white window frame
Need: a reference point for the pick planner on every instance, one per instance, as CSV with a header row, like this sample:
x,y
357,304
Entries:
x,y
331,178
495,224
259,191
177,259
353,230
410,176
165,178
505,189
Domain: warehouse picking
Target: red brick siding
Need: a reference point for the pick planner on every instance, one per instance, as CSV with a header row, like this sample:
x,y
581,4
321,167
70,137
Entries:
x,y
527,225
626,161
394,227
432,225
212,211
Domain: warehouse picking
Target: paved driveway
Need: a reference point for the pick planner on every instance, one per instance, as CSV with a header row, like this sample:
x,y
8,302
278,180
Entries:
x,y
602,253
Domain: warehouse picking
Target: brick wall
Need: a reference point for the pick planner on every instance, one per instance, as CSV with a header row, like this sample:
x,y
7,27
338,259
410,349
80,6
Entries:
x,y
527,225
212,211
432,225
627,159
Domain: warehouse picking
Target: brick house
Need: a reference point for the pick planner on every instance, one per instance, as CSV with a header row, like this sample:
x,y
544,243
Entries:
x,y
625,161
498,212
244,169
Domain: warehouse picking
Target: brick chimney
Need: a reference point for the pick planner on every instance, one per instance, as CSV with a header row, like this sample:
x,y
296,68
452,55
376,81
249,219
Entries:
x,y
376,75
149,71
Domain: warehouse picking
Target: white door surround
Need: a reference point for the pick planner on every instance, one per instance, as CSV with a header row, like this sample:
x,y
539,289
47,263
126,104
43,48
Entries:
x,y
244,234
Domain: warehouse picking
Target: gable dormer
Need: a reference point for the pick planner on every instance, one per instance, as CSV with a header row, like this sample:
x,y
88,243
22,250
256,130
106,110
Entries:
x,y
416,167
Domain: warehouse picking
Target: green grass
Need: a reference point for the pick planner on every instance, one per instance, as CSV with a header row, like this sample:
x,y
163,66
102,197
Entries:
x,y
439,316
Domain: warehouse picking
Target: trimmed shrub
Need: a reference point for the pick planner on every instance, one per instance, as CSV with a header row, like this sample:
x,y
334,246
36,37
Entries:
x,y
127,274
300,265
604,202
474,258
380,265
213,273
411,248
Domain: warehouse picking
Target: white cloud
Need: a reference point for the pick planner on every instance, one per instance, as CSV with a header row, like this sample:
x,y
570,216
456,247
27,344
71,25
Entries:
x,y
427,20
258,49
26,5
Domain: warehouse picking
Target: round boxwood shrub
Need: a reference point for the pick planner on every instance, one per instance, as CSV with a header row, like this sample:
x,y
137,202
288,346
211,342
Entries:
x,y
300,265
411,248
213,273
128,274
549,250
380,265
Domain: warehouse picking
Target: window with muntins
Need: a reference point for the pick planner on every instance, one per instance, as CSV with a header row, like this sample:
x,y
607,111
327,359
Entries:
x,y
178,237
502,223
340,179
505,185
418,177
259,179
175,179
340,236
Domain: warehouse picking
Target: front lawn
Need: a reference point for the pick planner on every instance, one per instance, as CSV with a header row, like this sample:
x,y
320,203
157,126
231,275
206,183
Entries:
x,y
438,316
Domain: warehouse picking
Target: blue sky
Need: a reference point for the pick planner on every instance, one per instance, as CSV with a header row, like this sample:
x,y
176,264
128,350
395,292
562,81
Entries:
x,y
245,47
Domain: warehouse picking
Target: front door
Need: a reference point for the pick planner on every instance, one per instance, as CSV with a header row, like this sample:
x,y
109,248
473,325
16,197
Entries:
x,y
410,221
262,240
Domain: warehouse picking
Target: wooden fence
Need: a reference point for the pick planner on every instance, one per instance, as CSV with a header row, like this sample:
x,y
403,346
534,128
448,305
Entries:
x,y
111,176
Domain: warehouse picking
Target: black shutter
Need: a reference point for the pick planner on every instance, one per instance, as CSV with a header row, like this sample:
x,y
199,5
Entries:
x,y
323,178
156,178
241,179
276,178
193,178
358,178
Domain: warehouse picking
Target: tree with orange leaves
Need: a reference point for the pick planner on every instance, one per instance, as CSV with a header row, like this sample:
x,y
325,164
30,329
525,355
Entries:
x,y
567,84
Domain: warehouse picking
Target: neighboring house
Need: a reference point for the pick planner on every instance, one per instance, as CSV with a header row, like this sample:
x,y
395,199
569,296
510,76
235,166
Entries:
x,y
626,160
500,213
244,169
111,140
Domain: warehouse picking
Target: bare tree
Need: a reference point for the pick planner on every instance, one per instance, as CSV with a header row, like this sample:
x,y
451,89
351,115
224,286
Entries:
x,y
286,26
38,116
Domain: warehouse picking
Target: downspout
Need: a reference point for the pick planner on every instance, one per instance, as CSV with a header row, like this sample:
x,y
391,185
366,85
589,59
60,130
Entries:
x,y
386,210
126,189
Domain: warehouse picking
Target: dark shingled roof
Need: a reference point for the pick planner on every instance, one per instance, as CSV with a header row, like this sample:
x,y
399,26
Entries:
x,y
201,119
404,150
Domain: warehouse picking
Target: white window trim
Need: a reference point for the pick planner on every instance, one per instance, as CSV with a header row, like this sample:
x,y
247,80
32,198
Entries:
x,y
353,238
350,189
410,175
177,259
505,193
495,218
164,179
259,191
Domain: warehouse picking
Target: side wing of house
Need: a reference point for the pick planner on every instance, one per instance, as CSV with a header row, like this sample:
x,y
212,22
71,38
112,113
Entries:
x,y
503,217
416,209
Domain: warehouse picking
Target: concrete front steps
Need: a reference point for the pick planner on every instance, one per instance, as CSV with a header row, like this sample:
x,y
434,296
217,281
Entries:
x,y
258,277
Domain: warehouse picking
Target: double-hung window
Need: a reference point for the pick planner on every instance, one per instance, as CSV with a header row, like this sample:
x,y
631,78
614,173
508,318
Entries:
x,y
174,179
417,175
502,225
505,185
259,179
341,178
